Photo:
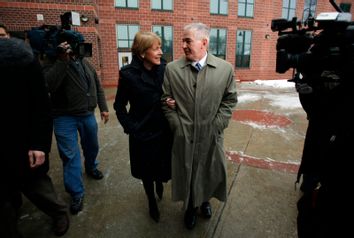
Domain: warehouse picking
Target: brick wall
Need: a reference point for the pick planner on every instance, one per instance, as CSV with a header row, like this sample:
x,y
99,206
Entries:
x,y
21,15
263,53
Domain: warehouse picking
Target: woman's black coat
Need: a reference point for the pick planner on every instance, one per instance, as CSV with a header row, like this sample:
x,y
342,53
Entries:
x,y
150,140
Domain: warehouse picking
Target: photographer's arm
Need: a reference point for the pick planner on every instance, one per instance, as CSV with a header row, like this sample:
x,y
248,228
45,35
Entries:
x,y
101,98
55,72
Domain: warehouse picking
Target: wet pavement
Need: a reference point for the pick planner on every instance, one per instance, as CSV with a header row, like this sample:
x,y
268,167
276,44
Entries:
x,y
264,144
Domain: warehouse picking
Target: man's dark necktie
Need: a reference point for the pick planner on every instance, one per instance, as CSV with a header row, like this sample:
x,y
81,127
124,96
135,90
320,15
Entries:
x,y
198,66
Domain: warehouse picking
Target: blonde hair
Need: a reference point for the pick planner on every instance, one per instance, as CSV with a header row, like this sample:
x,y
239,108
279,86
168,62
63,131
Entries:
x,y
143,41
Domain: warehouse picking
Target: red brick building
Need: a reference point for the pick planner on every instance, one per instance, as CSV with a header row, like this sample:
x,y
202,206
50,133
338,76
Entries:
x,y
240,29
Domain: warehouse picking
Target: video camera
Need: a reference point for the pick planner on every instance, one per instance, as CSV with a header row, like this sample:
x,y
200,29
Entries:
x,y
324,41
44,40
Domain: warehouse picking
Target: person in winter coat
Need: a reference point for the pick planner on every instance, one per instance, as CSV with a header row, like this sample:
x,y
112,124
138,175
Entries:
x,y
140,85
325,92
27,135
75,91
200,94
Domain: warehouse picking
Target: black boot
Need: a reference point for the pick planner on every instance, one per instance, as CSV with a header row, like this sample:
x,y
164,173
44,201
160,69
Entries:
x,y
153,209
159,189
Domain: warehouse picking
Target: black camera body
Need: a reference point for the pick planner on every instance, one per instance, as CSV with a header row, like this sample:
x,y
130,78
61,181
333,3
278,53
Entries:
x,y
76,41
44,40
322,42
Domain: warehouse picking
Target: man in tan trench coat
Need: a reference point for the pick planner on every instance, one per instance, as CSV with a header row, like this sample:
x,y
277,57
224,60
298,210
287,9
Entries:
x,y
200,94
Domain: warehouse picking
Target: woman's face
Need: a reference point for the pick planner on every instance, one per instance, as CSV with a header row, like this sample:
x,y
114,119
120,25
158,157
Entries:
x,y
153,55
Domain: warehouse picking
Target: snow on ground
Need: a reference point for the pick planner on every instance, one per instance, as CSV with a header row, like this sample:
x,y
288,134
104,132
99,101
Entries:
x,y
275,83
283,101
248,97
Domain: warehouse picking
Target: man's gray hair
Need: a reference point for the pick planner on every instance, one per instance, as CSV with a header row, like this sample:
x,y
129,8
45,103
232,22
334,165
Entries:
x,y
200,30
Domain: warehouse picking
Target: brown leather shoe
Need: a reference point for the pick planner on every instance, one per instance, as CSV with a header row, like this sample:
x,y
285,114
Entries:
x,y
61,225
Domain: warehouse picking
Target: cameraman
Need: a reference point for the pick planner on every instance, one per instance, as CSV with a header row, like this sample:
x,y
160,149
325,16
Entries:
x,y
75,93
326,155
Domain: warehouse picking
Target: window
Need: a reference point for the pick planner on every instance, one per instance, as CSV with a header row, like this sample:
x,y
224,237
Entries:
x,y
309,9
166,5
218,7
345,7
127,3
243,48
245,8
289,8
125,36
165,33
217,45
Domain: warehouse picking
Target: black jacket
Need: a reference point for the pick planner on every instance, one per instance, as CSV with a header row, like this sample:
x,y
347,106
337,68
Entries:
x,y
70,94
142,89
26,121
150,138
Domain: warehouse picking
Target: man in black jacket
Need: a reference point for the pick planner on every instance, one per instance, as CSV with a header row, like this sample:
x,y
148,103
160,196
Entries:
x,y
75,91
27,132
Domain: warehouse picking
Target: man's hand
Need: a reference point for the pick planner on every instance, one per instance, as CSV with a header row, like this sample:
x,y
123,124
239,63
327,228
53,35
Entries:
x,y
64,51
36,158
105,117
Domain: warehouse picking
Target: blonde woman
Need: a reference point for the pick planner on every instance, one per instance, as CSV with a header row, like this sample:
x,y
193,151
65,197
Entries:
x,y
140,85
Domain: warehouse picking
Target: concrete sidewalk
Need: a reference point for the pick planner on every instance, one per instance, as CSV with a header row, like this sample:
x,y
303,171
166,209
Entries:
x,y
264,145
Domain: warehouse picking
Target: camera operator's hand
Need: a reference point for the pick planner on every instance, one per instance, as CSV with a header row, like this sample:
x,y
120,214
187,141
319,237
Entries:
x,y
303,88
105,117
64,51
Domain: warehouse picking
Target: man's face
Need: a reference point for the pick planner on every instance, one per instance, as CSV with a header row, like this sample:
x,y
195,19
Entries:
x,y
193,48
3,33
